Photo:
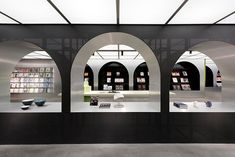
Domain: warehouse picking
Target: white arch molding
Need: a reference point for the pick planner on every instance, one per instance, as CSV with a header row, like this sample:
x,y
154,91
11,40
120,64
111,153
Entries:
x,y
223,54
102,40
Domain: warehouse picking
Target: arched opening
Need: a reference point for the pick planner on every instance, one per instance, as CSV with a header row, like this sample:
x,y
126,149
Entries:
x,y
219,97
141,77
209,77
31,79
89,76
96,47
113,76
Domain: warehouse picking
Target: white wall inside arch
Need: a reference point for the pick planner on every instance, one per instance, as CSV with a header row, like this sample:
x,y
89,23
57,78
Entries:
x,y
110,39
199,60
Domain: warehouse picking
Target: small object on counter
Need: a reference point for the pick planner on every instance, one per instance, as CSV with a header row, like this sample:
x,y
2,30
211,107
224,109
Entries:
x,y
105,105
118,97
39,101
28,102
113,91
195,104
208,103
94,101
24,107
180,105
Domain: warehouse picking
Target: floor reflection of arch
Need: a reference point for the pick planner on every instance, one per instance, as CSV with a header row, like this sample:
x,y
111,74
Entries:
x,y
11,53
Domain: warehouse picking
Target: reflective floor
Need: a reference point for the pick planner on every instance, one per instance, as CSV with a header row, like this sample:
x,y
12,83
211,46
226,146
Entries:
x,y
119,150
16,107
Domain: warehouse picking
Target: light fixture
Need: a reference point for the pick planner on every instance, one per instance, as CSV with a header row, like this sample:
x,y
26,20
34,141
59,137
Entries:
x,y
88,11
147,11
203,11
31,11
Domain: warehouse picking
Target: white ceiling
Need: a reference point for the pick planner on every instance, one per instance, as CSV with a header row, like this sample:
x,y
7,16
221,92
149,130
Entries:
x,y
147,11
105,11
37,55
110,52
196,55
204,11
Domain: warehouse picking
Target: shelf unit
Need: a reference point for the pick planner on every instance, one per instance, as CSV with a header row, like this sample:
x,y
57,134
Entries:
x,y
180,80
32,80
141,77
89,76
218,79
113,76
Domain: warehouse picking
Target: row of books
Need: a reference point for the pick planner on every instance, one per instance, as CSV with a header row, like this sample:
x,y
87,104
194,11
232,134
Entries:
x,y
33,69
16,75
109,87
140,80
177,73
182,87
28,80
29,85
32,90
109,73
182,80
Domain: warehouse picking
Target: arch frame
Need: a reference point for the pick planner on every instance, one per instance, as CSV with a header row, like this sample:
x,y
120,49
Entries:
x,y
12,52
106,39
223,55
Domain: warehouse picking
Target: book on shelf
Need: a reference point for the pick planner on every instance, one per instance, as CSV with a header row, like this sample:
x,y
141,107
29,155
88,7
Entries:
x,y
184,80
185,87
174,79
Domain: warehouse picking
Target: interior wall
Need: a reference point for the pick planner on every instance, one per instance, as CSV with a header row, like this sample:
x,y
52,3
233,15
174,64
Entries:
x,y
223,55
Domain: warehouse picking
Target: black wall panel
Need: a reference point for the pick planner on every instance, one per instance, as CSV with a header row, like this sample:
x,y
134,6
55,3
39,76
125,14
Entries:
x,y
168,43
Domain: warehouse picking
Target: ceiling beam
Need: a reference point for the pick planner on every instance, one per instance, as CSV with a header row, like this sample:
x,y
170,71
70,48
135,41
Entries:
x,y
224,17
136,56
10,17
173,15
61,14
100,55
115,50
118,11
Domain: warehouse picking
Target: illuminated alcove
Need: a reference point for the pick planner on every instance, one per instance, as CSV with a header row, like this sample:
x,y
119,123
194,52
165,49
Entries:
x,y
28,72
94,48
219,96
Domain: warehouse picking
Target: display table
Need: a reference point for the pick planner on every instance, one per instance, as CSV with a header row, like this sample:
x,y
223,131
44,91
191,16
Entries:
x,y
125,93
127,107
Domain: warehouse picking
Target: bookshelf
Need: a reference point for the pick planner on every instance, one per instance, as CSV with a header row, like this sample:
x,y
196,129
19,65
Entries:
x,y
141,77
113,76
32,80
180,80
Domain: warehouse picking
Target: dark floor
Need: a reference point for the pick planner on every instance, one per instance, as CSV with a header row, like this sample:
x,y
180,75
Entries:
x,y
119,150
